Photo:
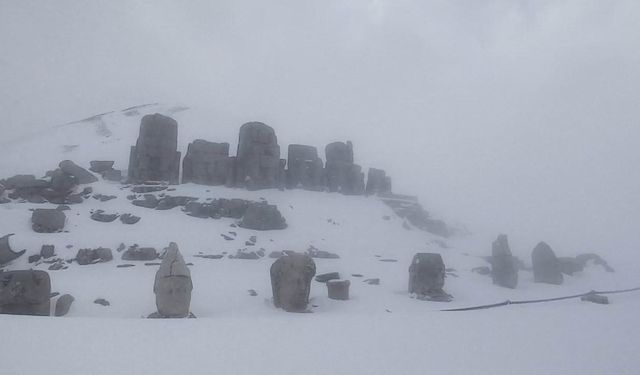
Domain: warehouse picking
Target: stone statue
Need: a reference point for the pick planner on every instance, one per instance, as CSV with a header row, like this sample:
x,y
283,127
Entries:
x,y
25,292
291,281
426,277
546,267
257,163
173,285
155,156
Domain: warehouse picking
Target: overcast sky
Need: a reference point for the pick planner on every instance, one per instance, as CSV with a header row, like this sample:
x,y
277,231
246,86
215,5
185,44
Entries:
x,y
511,116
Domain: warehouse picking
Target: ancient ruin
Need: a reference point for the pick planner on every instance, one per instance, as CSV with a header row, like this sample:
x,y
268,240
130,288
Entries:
x,y
291,281
426,277
206,163
155,156
305,169
257,164
342,174
173,285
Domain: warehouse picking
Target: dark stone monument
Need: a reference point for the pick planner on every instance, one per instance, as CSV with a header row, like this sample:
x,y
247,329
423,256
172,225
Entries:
x,y
173,285
206,163
305,168
426,277
342,174
546,267
25,292
504,270
155,156
291,281
378,182
257,164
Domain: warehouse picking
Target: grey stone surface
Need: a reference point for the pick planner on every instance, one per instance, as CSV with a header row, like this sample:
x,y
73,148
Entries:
x,y
129,219
102,217
260,216
46,220
342,175
173,285
426,277
6,253
63,304
378,182
323,278
595,298
257,163
546,267
90,256
25,292
291,281
570,265
155,156
140,253
34,258
101,166
305,168
504,270
206,163
338,289
83,175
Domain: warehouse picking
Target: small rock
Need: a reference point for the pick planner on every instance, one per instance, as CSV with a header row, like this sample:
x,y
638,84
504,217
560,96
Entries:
x,y
228,238
63,304
372,281
102,217
323,278
338,289
212,256
388,260
595,298
129,219
126,265
47,251
252,293
34,258
102,301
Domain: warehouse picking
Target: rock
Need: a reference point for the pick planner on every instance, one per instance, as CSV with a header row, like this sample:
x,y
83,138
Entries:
x,y
24,181
63,182
104,198
149,201
321,254
546,268
103,218
338,289
291,281
101,166
504,270
342,174
103,254
114,175
59,265
173,285
210,256
569,265
129,219
25,292
228,238
585,258
140,253
595,298
426,277
230,208
102,301
47,251
6,253
252,293
63,304
375,281
126,265
378,182
83,175
387,260
155,156
257,164
323,278
306,169
34,258
260,216
206,163
244,254
196,209
91,256
46,220
148,189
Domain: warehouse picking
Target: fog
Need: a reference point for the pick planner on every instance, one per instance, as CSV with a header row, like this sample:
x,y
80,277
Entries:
x,y
507,116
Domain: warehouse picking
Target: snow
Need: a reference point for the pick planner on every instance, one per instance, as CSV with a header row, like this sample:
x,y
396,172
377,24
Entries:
x,y
380,330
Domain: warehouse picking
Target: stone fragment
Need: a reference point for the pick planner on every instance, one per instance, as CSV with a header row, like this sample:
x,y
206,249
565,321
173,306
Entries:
x,y
140,253
25,292
595,298
102,301
260,216
426,277
100,216
504,270
114,175
323,278
6,253
341,173
149,201
33,258
546,267
155,156
570,265
313,252
338,289
83,175
291,281
101,166
46,220
91,256
173,285
47,251
63,304
129,219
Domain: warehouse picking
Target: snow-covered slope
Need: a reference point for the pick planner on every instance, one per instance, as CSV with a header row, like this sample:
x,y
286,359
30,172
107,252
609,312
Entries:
x,y
379,330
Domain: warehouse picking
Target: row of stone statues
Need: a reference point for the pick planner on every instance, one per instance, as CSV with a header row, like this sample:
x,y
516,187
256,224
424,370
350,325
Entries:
x,y
257,164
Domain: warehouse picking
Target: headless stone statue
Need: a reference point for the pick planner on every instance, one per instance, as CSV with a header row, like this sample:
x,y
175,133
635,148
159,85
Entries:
x,y
257,164
155,156
173,285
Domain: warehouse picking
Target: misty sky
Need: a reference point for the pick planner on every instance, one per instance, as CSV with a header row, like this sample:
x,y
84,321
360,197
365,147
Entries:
x,y
511,116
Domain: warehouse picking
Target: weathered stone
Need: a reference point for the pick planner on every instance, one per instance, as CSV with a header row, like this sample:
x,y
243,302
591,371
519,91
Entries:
x,y
142,189
378,182
426,277
102,217
47,251
291,281
546,268
129,219
248,255
584,259
155,156
140,253
197,209
313,252
504,270
25,292
63,304
569,265
114,175
102,301
230,208
173,285
46,220
83,175
63,182
305,168
101,166
90,256
595,298
257,164
104,198
338,289
149,201
6,253
260,216
206,163
24,181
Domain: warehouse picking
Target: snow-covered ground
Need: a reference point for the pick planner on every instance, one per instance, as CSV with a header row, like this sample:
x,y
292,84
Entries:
x,y
380,330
